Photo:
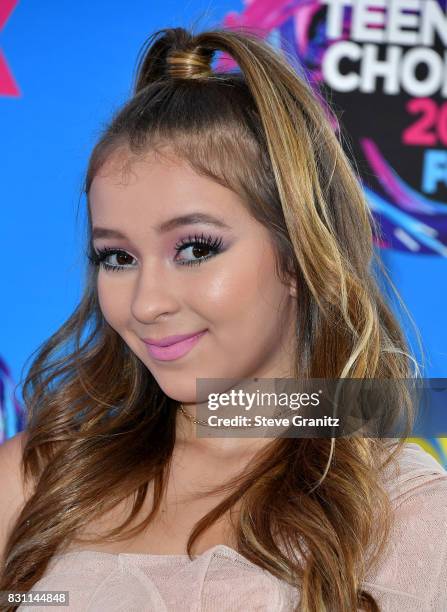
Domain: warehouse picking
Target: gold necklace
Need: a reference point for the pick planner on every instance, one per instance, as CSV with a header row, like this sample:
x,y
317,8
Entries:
x,y
198,422
191,418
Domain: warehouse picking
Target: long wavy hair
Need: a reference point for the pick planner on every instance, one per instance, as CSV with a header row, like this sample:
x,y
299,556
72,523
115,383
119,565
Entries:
x,y
100,429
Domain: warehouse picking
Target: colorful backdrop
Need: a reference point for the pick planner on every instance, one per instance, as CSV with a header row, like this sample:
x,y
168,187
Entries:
x,y
66,67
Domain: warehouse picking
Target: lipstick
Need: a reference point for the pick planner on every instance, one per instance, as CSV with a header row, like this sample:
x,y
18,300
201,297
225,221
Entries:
x,y
175,349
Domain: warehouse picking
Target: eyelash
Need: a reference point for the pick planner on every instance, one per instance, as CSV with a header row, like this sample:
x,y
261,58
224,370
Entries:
x,y
97,258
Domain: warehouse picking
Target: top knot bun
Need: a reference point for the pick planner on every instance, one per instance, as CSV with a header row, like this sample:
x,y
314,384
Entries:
x,y
189,64
175,53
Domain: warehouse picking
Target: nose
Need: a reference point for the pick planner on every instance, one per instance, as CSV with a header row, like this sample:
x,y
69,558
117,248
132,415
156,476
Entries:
x,y
155,293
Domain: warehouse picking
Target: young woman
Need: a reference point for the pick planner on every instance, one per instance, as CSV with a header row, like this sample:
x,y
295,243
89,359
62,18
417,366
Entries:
x,y
221,207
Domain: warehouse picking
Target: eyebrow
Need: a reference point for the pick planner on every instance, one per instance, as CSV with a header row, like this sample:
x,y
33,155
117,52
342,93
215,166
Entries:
x,y
166,226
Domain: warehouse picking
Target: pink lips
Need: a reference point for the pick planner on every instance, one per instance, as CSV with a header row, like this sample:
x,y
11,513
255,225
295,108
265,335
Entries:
x,y
172,347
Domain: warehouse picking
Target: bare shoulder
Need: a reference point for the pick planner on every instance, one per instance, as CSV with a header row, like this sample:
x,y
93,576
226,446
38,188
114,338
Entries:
x,y
12,491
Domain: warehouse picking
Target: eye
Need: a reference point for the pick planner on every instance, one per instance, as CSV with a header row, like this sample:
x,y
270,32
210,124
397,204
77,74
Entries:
x,y
100,257
200,247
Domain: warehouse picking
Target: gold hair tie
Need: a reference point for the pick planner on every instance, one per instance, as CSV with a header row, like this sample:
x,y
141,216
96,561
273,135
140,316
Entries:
x,y
193,64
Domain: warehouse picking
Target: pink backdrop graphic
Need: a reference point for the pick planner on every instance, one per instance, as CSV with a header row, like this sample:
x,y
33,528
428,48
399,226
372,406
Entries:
x,y
8,86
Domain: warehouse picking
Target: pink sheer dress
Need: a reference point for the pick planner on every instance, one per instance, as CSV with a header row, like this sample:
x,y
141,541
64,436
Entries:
x,y
411,577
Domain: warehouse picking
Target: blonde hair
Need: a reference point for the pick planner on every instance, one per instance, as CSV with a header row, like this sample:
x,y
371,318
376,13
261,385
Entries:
x,y
92,443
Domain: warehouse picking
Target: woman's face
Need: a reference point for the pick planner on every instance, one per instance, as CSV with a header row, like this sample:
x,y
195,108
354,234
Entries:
x,y
167,286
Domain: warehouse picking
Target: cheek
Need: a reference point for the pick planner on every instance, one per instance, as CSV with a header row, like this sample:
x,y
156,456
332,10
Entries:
x,y
225,292
112,301
245,289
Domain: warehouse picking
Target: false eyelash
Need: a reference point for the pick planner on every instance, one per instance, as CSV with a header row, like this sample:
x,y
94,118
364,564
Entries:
x,y
97,258
213,243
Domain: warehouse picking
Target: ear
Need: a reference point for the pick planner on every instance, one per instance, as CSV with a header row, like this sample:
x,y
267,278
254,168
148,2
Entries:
x,y
292,288
290,282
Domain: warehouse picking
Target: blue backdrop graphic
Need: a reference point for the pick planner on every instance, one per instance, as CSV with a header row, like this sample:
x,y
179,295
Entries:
x,y
65,67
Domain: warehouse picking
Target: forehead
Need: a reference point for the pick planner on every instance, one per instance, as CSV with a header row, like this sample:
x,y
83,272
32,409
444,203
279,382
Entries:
x,y
157,184
124,171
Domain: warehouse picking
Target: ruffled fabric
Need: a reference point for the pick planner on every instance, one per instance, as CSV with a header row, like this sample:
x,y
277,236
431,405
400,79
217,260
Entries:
x,y
219,579
411,576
